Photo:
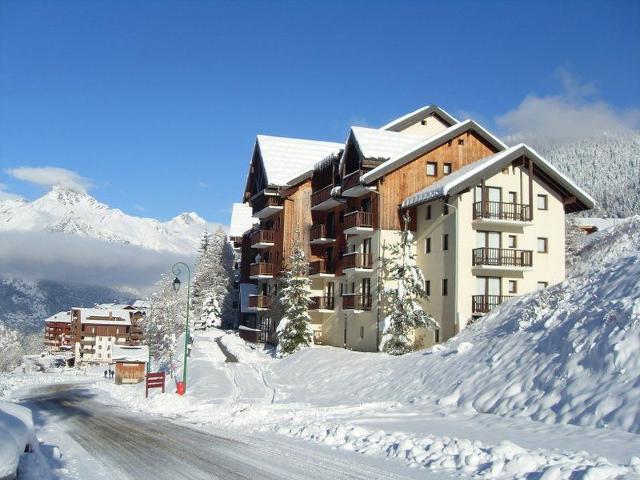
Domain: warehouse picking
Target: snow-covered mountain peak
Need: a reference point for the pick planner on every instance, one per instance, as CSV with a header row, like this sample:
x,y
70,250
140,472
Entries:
x,y
68,211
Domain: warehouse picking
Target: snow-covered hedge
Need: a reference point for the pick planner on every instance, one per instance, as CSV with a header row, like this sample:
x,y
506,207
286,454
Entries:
x,y
16,435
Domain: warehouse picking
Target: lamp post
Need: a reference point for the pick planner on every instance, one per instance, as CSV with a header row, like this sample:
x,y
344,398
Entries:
x,y
177,270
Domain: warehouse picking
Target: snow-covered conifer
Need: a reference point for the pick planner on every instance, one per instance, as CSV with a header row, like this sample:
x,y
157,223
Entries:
x,y
404,312
294,331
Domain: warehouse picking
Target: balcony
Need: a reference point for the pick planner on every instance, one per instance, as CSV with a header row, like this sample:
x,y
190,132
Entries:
x,y
323,200
322,303
356,223
259,302
502,258
356,301
261,239
481,304
266,204
357,262
352,186
502,212
319,235
261,270
321,268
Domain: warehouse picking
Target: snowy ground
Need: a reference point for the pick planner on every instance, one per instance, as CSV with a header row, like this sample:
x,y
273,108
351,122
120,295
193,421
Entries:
x,y
546,386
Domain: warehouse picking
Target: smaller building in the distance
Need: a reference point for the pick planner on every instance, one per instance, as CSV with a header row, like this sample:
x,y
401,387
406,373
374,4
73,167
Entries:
x,y
97,331
57,332
131,363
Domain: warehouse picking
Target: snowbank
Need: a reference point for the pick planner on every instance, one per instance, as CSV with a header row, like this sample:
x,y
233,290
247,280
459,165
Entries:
x,y
17,435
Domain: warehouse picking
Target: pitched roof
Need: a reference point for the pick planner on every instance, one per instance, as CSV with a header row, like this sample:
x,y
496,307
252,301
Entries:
x,y
241,219
382,144
417,115
130,353
284,158
60,317
426,145
472,173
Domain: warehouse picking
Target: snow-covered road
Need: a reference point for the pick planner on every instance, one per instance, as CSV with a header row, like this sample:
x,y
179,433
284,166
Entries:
x,y
107,442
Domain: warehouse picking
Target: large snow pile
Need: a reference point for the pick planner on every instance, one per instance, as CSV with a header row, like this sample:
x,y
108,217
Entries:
x,y
16,436
569,354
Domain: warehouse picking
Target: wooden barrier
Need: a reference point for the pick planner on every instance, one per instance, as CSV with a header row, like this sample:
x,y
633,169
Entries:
x,y
154,380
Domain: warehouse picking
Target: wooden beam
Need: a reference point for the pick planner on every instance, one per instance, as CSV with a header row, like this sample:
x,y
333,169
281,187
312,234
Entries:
x,y
569,200
530,189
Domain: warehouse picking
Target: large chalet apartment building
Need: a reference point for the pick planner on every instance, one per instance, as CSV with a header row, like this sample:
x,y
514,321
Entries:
x,y
487,220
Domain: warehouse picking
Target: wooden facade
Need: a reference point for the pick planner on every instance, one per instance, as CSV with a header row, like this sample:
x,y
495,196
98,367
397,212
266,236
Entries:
x,y
130,372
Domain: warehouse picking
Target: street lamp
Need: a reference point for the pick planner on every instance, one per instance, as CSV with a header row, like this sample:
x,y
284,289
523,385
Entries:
x,y
177,271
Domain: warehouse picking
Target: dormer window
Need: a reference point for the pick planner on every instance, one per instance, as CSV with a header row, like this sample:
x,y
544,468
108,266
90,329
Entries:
x,y
432,169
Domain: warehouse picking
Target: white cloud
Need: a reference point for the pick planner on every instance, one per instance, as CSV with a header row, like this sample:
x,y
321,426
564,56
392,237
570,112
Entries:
x,y
50,176
61,257
203,184
138,207
4,195
570,115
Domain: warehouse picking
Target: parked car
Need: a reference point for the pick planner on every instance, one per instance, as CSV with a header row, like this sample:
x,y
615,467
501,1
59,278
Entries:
x,y
59,363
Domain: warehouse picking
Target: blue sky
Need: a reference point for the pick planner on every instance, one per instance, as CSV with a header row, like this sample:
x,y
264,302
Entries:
x,y
157,104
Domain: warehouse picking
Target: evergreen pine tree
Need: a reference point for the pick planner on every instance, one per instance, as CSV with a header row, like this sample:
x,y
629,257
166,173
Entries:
x,y
405,313
294,331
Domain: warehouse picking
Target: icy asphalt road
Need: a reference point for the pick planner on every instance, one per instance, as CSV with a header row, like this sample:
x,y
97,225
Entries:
x,y
105,441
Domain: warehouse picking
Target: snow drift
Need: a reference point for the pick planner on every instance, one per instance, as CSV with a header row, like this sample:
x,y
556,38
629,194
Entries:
x,y
569,354
16,435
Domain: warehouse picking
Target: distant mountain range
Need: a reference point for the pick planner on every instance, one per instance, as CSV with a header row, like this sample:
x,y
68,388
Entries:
x,y
67,211
607,166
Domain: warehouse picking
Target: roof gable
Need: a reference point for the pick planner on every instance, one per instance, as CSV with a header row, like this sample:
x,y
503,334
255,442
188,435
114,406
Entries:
x,y
471,174
241,219
425,146
410,118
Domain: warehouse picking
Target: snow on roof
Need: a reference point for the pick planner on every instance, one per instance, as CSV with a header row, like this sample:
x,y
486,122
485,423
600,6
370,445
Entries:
x,y
119,306
417,115
126,353
599,223
241,219
141,304
382,144
104,316
60,317
472,173
285,159
417,149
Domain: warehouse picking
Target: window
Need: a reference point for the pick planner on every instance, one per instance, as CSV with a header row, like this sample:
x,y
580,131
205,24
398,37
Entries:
x,y
445,241
99,347
427,245
543,245
461,141
427,287
361,332
432,169
445,287
513,197
437,335
341,217
428,213
542,285
542,202
445,209
512,241
513,286
423,122
446,168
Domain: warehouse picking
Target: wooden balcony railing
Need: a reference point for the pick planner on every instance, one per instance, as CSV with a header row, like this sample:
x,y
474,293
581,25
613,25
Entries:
x,y
321,231
321,195
262,236
502,257
321,266
261,269
351,180
356,301
484,303
259,301
518,212
263,201
357,260
322,303
358,219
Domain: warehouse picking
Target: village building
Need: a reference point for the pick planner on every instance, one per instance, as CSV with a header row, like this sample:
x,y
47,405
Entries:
x,y
57,332
487,221
97,331
241,222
